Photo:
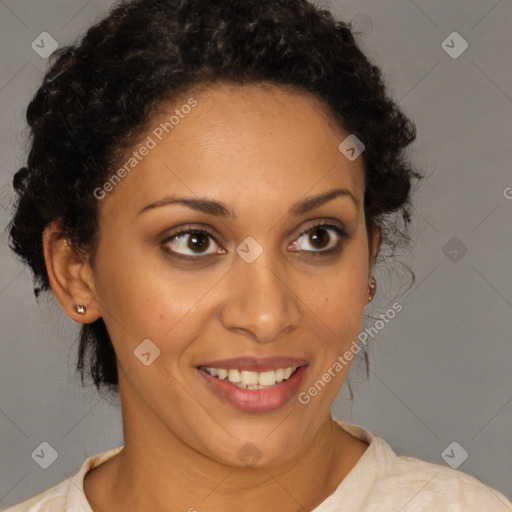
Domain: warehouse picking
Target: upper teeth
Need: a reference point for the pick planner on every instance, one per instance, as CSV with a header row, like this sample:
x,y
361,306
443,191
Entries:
x,y
249,379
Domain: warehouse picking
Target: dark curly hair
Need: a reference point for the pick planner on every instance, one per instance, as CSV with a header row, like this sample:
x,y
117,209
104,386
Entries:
x,y
99,94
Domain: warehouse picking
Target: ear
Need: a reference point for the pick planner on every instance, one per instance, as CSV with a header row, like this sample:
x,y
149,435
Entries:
x,y
70,275
374,243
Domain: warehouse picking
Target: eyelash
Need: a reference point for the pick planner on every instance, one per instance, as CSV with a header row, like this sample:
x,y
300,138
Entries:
x,y
321,224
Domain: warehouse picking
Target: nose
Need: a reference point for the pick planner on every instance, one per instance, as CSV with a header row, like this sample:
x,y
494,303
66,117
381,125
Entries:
x,y
261,303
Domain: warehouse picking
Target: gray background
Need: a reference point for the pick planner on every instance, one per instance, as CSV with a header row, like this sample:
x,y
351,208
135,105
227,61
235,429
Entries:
x,y
440,370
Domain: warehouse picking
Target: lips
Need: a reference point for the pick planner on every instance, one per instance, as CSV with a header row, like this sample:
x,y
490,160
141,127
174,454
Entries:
x,y
255,400
253,364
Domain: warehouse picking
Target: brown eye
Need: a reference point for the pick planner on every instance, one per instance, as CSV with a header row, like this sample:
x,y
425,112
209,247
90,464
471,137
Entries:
x,y
192,242
322,238
198,241
319,238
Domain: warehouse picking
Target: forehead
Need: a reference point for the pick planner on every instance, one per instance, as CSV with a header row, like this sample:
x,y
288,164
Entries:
x,y
244,143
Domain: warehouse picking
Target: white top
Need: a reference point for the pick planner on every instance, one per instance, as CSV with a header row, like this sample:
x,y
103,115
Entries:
x,y
381,481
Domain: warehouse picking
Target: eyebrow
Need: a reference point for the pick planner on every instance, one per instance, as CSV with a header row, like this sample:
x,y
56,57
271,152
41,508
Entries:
x,y
217,208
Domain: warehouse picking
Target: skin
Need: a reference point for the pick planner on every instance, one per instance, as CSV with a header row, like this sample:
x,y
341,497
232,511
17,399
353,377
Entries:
x,y
259,149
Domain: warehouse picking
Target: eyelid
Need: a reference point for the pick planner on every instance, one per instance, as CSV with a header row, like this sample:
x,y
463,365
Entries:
x,y
191,229
326,223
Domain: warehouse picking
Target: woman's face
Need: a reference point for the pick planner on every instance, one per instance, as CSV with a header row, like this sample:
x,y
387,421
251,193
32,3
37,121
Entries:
x,y
255,285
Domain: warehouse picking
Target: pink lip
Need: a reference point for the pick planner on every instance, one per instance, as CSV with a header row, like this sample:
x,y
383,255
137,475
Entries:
x,y
254,364
255,400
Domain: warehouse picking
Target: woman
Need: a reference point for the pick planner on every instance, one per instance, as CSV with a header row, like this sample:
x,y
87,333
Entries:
x,y
207,192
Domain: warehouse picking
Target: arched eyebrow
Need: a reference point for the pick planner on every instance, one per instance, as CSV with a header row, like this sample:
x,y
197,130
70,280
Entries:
x,y
310,203
219,209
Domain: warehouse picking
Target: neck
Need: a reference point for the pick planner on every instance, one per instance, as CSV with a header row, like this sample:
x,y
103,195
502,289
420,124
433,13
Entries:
x,y
156,470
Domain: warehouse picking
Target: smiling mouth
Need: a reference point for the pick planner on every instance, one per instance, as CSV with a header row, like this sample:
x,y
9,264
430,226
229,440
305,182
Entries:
x,y
252,380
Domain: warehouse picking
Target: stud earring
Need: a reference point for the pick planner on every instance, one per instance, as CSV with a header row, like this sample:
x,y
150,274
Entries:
x,y
372,288
80,309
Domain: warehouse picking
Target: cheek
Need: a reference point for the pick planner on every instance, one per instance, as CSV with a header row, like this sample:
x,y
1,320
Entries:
x,y
339,300
341,316
344,297
144,298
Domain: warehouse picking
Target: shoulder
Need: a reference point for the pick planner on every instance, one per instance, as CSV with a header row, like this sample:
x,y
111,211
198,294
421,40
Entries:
x,y
68,495
383,480
51,500
422,485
